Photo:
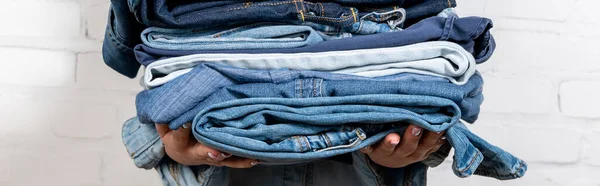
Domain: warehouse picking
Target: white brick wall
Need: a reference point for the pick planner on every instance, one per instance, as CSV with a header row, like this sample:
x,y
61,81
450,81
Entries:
x,y
62,108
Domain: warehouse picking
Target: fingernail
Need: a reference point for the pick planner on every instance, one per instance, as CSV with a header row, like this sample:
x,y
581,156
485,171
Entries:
x,y
224,155
416,131
438,133
366,148
212,156
395,142
443,138
255,163
187,125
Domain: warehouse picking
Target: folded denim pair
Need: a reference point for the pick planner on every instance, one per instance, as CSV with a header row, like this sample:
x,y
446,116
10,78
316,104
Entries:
x,y
435,58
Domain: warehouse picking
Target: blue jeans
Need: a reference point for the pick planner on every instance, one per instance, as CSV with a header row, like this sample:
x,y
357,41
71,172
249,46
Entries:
x,y
147,151
278,130
472,33
185,14
435,58
180,100
123,29
122,34
256,36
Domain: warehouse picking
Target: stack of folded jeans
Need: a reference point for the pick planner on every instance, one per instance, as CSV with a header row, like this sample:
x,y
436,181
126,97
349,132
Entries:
x,y
299,83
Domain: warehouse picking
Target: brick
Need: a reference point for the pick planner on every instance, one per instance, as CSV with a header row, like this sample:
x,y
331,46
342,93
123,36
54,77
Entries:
x,y
518,95
532,144
37,67
56,166
533,52
60,118
592,148
85,120
579,98
552,10
96,17
93,73
537,174
36,18
120,170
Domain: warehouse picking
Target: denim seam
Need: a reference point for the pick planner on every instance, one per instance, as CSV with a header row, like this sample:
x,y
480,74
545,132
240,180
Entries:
x,y
321,88
299,143
305,139
470,163
477,28
449,24
248,5
144,148
327,140
322,9
314,88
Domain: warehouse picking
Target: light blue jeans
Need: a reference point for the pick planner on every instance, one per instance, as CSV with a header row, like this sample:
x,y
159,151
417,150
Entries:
x,y
435,58
256,36
353,169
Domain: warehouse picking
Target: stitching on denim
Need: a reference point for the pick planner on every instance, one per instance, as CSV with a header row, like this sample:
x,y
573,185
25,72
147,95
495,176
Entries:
x,y
308,147
327,140
314,84
298,142
298,11
249,5
479,25
470,163
353,14
322,9
321,88
301,88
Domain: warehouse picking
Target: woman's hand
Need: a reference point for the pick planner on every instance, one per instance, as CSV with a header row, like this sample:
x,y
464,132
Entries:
x,y
416,145
184,149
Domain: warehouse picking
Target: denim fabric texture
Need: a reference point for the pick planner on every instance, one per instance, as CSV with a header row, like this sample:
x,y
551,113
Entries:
x,y
355,169
121,35
257,36
472,33
435,58
164,104
281,130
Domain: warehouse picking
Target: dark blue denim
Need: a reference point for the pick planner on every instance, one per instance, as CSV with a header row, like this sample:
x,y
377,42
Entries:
x,y
208,14
178,101
122,34
472,33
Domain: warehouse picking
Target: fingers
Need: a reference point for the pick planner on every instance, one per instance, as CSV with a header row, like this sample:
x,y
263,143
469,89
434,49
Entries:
x,y
202,153
428,141
237,162
181,136
437,146
162,129
387,146
410,141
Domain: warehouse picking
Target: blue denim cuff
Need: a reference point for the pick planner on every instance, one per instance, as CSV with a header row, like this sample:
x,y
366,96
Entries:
x,y
143,143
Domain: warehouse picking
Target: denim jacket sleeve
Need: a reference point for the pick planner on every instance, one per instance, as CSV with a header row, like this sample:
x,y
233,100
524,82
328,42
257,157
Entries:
x,y
143,143
122,34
